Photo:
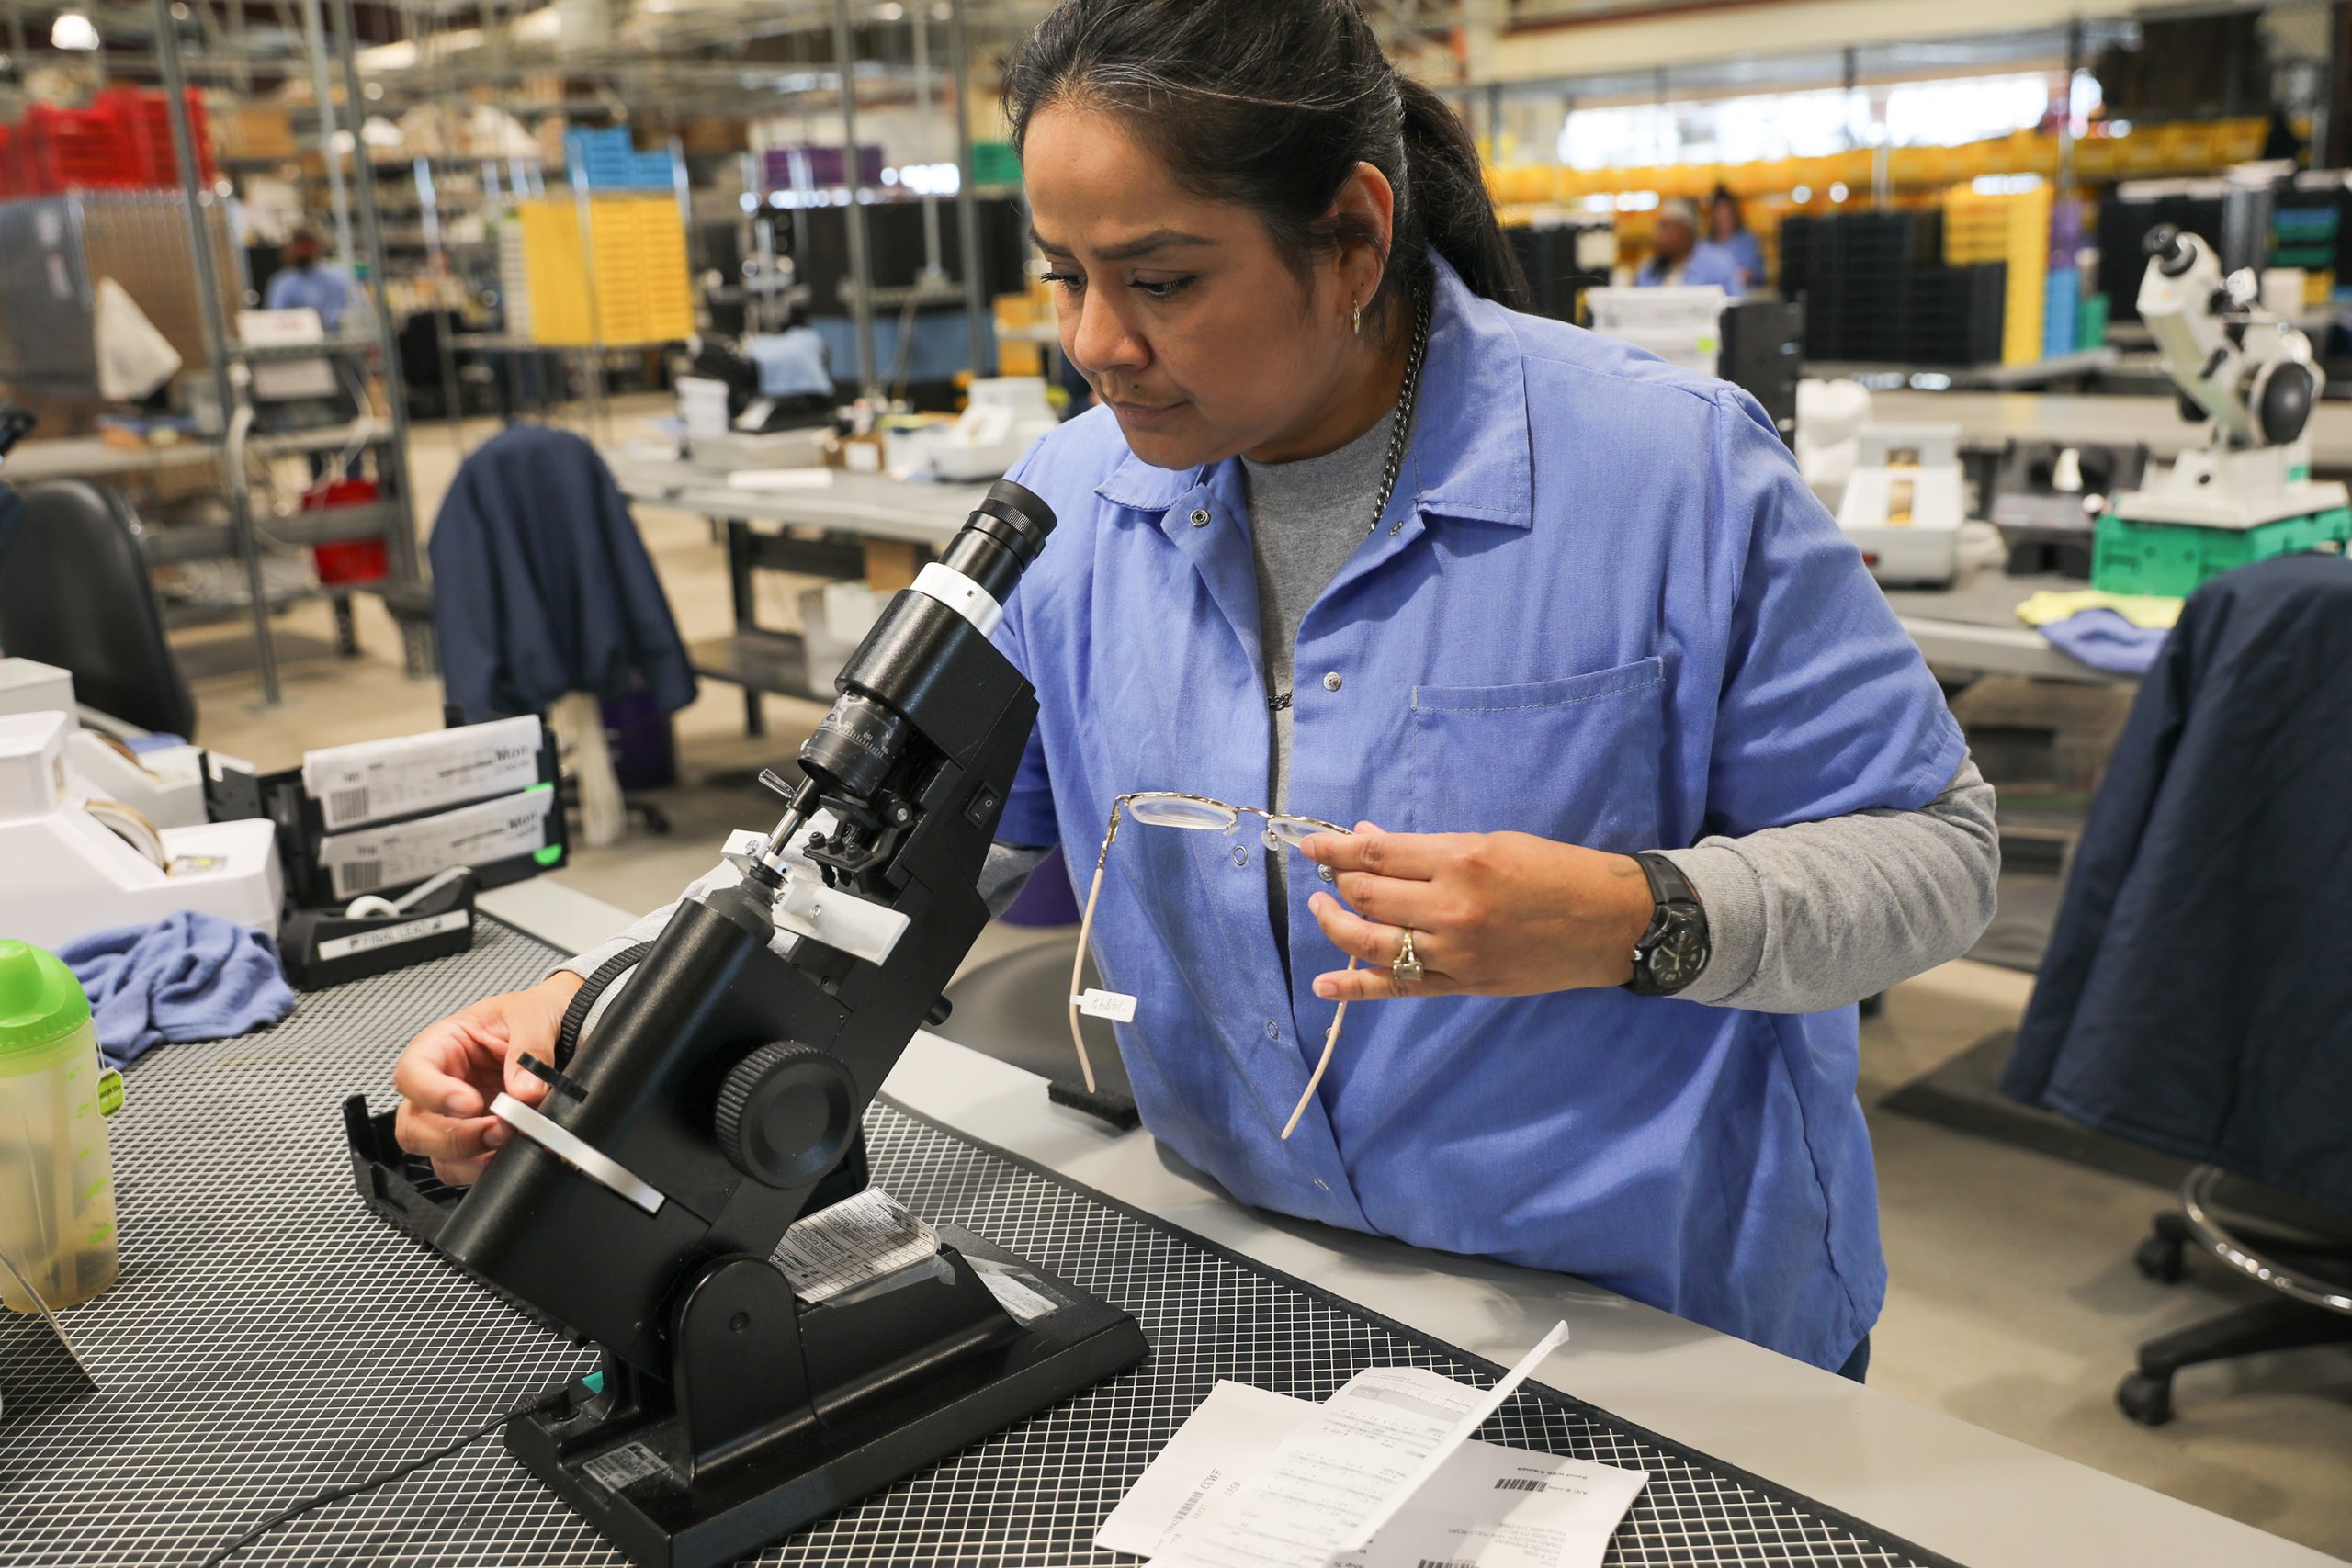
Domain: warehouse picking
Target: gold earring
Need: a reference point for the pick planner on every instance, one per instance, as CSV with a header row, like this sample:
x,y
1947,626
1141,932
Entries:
x,y
1355,322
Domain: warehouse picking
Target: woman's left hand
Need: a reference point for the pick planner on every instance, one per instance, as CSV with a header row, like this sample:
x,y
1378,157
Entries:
x,y
1492,914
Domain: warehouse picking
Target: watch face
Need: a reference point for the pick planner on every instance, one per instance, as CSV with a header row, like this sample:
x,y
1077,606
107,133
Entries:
x,y
1676,961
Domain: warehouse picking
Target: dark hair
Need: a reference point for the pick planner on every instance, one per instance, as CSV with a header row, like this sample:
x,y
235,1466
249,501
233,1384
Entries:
x,y
1270,104
1722,193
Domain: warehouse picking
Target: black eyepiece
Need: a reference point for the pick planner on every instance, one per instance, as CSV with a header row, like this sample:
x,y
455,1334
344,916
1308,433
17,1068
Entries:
x,y
1001,537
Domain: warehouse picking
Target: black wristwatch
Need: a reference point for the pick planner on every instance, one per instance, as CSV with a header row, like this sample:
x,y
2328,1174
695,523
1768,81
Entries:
x,y
1673,952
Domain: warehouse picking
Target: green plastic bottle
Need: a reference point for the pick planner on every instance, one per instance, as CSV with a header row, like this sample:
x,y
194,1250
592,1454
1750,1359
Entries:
x,y
57,1221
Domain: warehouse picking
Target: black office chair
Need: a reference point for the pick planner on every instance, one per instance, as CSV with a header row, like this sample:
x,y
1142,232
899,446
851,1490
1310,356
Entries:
x,y
2185,1005
74,591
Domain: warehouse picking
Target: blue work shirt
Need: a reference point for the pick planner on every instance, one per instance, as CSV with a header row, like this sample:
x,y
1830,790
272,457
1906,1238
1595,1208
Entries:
x,y
1707,262
323,288
1601,608
1747,254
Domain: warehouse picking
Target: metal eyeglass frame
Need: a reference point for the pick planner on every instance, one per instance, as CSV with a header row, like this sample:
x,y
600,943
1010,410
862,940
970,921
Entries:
x,y
1220,817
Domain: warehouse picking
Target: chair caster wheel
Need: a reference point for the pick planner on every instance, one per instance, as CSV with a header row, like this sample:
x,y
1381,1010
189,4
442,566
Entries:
x,y
2163,1260
2146,1398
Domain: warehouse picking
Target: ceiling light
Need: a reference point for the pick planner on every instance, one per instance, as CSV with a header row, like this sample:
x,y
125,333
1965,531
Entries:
x,y
72,31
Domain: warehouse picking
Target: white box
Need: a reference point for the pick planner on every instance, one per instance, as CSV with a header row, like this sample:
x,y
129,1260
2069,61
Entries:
x,y
833,620
1681,326
26,685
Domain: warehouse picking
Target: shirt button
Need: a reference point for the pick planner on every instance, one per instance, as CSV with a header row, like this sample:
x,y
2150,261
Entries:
x,y
1331,680
1322,1185
1274,1031
1200,517
1242,854
1327,873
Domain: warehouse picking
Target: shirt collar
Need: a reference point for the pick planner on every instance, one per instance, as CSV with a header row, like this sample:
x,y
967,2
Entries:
x,y
1469,455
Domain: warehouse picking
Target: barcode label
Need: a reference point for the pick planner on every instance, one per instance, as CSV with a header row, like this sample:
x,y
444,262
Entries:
x,y
1527,1483
357,877
625,1466
1446,1562
347,806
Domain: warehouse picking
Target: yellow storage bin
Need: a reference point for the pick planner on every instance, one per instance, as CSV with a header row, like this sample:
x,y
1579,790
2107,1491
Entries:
x,y
639,291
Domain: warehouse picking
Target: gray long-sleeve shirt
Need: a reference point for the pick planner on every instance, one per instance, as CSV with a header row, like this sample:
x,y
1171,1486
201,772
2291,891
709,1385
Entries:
x,y
1803,918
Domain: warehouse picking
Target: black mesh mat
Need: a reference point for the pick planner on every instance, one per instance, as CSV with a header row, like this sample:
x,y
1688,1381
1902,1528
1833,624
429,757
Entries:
x,y
271,1339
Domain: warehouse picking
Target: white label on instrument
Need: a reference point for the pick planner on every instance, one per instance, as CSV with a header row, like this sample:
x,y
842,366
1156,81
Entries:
x,y
853,1241
402,853
1022,1296
422,772
625,1466
392,936
1116,1006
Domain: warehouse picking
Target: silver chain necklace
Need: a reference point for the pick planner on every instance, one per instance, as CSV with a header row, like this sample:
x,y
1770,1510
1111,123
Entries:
x,y
1407,396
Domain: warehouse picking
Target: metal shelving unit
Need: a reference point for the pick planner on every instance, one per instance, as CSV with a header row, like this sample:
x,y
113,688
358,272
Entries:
x,y
391,517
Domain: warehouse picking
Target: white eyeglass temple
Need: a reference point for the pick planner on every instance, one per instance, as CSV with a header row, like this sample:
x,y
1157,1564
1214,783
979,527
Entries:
x,y
1078,973
1331,1038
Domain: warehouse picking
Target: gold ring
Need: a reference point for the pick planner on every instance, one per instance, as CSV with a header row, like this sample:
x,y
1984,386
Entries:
x,y
1406,967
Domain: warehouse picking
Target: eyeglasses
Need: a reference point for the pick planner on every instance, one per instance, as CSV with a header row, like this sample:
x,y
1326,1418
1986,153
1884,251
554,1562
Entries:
x,y
1172,809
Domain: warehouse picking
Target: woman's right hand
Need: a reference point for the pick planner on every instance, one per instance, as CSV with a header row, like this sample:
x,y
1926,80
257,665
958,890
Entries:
x,y
451,1071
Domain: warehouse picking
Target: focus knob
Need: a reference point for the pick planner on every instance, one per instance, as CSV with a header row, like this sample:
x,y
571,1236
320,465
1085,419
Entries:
x,y
786,1114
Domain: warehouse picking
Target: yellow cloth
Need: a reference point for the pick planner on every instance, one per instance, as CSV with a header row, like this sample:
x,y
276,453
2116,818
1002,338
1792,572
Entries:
x,y
2140,609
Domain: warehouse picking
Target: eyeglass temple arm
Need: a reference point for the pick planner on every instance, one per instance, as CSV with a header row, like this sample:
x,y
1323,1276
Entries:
x,y
1078,969
1331,1039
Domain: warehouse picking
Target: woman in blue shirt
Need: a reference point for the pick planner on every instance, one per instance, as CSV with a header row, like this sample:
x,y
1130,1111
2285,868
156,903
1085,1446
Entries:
x,y
1566,625
1730,233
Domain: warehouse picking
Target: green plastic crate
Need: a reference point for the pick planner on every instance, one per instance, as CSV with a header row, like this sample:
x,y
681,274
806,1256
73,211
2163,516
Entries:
x,y
994,165
2173,558
2090,322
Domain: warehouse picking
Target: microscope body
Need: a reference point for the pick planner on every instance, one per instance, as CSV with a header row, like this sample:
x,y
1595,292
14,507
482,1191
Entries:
x,y
716,1097
2246,494
2248,372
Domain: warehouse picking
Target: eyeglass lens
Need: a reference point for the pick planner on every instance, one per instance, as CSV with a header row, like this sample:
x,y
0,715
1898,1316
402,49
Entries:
x,y
1175,811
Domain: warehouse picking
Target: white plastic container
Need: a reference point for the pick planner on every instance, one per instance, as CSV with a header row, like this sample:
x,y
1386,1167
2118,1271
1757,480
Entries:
x,y
57,1218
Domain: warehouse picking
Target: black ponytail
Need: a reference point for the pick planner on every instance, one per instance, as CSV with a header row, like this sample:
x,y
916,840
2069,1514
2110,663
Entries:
x,y
1457,214
1270,104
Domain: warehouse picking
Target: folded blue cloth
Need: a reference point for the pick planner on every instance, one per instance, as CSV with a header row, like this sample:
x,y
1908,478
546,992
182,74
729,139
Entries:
x,y
2105,641
187,977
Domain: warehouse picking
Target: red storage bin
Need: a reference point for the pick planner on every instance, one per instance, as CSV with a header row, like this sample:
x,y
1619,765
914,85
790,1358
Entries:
x,y
347,560
143,122
62,150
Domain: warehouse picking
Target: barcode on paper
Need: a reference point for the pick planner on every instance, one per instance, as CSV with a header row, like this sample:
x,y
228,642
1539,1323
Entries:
x,y
1529,1483
347,806
357,877
625,1466
1446,1562
854,1241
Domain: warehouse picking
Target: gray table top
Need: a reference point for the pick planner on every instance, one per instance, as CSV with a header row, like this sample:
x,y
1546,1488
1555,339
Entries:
x,y
1989,419
87,457
870,505
1971,627
1950,1487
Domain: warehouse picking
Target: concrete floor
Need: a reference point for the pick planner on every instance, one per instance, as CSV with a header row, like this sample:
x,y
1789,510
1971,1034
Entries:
x,y
2014,1303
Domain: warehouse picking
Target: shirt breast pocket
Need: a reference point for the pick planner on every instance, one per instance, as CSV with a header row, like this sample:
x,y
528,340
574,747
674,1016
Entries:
x,y
1575,758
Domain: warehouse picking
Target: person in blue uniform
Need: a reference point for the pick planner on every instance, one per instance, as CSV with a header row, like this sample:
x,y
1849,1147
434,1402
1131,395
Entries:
x,y
1728,230
304,281
1648,786
1679,258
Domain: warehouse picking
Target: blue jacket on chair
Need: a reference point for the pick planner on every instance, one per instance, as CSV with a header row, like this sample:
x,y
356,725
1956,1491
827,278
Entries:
x,y
541,585
2196,996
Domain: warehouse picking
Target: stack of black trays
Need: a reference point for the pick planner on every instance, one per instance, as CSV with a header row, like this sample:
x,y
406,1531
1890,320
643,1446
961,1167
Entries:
x,y
1876,289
